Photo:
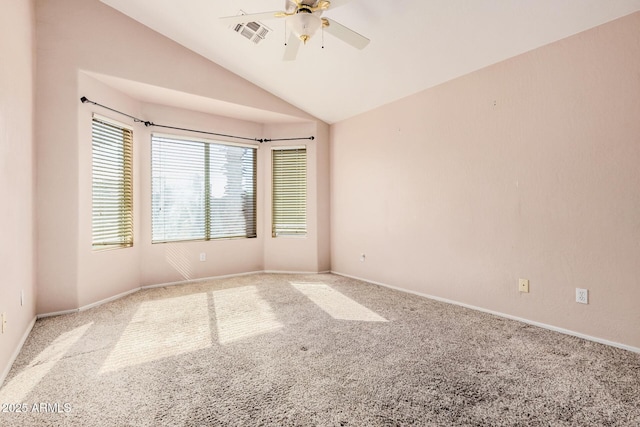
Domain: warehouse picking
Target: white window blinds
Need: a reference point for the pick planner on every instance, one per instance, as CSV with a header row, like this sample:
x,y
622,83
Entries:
x,y
112,184
202,190
289,191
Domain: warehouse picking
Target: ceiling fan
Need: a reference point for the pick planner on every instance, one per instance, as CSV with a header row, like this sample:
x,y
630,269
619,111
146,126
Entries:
x,y
305,18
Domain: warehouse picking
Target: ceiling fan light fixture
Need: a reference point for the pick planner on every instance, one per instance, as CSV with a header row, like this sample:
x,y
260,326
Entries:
x,y
304,24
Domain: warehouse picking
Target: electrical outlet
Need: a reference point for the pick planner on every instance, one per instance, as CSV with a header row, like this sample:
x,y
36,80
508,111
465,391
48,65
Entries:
x,y
523,285
4,322
203,256
582,296
362,257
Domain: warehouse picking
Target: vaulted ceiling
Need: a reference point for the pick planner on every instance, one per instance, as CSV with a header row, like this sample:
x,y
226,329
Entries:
x,y
415,44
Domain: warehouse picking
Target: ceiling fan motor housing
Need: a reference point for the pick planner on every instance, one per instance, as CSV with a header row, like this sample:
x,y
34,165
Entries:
x,y
304,17
304,23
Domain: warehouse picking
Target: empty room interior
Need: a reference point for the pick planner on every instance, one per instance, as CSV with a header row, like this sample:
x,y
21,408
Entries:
x,y
335,213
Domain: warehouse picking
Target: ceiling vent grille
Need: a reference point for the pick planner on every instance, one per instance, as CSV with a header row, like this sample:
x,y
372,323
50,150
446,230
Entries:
x,y
254,31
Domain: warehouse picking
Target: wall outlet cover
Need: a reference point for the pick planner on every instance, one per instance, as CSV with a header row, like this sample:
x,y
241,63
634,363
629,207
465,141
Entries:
x,y
523,285
582,296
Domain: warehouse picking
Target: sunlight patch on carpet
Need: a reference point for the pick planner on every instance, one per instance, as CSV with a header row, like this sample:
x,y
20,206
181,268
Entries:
x,y
20,386
336,304
242,313
162,328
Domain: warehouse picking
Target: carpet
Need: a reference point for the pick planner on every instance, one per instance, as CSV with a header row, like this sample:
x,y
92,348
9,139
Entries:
x,y
310,350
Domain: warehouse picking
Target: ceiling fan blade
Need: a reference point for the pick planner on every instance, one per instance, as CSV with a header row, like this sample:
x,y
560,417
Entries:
x,y
251,17
291,51
346,35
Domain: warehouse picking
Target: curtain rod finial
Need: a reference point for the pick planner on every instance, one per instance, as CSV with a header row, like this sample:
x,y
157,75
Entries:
x,y
83,99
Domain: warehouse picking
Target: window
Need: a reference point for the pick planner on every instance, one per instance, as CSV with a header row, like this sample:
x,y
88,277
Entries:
x,y
112,184
289,191
202,189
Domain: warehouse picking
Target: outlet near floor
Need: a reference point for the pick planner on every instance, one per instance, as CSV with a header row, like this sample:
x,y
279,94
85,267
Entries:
x,y
523,285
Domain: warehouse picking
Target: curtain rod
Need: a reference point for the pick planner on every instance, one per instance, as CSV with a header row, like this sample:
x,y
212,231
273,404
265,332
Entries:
x,y
147,123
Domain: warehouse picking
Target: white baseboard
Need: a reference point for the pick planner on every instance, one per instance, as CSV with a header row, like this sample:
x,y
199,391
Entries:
x,y
497,313
162,285
106,300
228,276
292,272
204,279
17,350
57,313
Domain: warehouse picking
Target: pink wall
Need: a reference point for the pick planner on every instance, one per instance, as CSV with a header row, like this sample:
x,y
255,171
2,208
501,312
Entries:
x,y
305,254
17,168
323,159
174,262
525,169
78,39
101,274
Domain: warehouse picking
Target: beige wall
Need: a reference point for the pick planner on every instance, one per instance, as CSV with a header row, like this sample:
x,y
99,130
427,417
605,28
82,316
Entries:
x,y
172,262
77,40
17,167
323,177
526,169
310,253
101,274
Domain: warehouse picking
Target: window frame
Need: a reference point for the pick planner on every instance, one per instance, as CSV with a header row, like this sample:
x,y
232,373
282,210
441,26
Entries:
x,y
124,236
279,230
207,230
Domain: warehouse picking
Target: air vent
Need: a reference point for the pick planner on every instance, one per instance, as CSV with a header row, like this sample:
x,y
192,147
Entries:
x,y
254,31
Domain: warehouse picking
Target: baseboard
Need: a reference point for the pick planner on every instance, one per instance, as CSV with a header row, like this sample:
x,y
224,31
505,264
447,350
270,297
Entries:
x,y
162,285
58,313
228,276
204,279
497,313
17,351
106,300
293,272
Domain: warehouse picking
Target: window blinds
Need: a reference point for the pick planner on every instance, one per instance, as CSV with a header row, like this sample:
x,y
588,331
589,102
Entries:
x,y
202,190
289,192
112,184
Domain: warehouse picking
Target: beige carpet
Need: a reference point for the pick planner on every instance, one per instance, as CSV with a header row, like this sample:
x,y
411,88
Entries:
x,y
279,350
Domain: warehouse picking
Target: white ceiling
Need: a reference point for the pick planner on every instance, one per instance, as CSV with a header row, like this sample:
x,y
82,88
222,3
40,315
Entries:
x,y
415,44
